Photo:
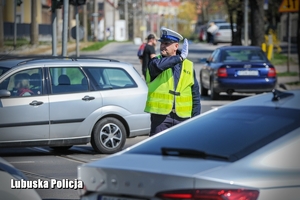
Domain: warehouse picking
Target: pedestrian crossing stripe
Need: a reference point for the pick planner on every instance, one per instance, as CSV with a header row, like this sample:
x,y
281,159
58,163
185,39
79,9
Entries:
x,y
289,6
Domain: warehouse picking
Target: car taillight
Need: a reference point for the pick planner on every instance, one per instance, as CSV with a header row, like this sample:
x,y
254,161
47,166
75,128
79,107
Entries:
x,y
271,72
218,34
210,194
222,72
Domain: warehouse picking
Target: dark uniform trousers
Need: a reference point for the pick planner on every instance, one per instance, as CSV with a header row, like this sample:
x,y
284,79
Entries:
x,y
163,122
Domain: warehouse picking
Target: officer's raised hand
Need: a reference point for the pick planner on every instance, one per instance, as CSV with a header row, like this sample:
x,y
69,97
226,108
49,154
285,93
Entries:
x,y
185,49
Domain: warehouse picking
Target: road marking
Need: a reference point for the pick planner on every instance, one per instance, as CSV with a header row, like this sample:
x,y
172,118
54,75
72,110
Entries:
x,y
73,159
39,149
21,162
213,107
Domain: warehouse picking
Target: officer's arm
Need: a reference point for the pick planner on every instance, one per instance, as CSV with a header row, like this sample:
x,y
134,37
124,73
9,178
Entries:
x,y
156,66
196,98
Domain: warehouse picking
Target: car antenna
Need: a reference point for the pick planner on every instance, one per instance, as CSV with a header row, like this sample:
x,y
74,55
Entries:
x,y
277,95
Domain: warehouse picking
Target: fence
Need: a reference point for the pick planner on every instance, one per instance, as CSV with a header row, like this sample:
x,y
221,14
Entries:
x,y
23,30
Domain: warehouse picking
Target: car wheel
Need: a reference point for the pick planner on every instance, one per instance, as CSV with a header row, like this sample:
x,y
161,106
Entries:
x,y
109,136
61,148
204,91
213,94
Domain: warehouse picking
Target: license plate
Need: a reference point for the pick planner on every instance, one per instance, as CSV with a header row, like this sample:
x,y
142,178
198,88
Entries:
x,y
117,198
248,73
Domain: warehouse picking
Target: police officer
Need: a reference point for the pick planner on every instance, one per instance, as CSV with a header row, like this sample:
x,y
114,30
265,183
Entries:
x,y
173,90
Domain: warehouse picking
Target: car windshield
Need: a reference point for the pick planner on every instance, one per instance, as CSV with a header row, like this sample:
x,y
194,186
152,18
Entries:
x,y
231,132
243,55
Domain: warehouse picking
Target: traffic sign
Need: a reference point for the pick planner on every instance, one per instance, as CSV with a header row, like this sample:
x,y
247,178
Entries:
x,y
289,6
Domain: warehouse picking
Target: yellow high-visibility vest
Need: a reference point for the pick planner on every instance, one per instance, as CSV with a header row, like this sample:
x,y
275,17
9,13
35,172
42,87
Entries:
x,y
161,94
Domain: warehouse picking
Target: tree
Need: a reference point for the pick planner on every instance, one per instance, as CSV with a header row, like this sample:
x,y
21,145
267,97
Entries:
x,y
257,22
186,14
235,12
272,14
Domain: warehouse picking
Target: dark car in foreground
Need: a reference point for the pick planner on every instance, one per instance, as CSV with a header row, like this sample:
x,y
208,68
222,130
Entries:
x,y
10,184
241,69
248,149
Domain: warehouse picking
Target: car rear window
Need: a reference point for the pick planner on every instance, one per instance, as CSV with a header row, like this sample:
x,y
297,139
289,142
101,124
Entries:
x,y
108,78
243,55
232,132
224,27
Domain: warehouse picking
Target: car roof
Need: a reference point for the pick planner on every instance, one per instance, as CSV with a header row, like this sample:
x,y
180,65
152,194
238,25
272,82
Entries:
x,y
18,61
276,99
11,63
239,47
225,24
217,21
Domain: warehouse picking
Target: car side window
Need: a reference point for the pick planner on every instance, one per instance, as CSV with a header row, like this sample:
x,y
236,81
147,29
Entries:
x,y
24,83
210,58
68,80
214,56
107,78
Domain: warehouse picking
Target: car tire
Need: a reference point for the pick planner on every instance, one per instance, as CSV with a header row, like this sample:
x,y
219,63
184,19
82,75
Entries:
x,y
61,148
204,91
109,136
213,94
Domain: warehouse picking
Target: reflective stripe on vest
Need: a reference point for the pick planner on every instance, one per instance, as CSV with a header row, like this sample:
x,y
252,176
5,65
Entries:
x,y
161,94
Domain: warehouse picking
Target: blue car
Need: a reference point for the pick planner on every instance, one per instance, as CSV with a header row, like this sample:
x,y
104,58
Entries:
x,y
241,69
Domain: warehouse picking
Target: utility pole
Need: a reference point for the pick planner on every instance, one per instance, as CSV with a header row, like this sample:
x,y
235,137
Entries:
x,y
65,28
15,24
54,32
1,26
71,14
85,23
126,19
58,25
134,20
114,20
77,31
104,22
96,20
151,18
246,23
144,34
34,35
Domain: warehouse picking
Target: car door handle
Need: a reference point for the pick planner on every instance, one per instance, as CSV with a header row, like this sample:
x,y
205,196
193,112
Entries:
x,y
36,103
88,98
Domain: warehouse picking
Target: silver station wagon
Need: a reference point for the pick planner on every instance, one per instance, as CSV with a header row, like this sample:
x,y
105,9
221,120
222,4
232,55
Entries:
x,y
61,102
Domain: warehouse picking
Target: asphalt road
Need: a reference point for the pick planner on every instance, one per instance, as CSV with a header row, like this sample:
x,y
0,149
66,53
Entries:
x,y
45,164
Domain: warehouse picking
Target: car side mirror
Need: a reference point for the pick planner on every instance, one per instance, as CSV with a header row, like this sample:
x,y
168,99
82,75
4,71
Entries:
x,y
4,93
203,60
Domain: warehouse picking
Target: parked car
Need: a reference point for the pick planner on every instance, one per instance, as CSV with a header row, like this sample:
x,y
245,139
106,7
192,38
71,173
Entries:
x,y
247,149
73,101
224,33
216,22
202,33
242,69
9,174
